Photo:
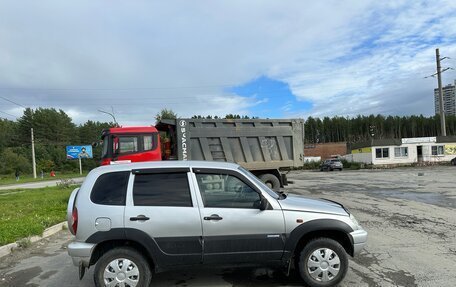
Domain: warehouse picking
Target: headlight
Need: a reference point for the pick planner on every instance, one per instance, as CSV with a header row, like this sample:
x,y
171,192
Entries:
x,y
355,222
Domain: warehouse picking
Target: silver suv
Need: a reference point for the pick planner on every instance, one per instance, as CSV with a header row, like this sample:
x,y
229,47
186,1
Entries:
x,y
130,220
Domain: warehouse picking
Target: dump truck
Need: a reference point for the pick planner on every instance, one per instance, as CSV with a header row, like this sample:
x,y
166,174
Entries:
x,y
263,146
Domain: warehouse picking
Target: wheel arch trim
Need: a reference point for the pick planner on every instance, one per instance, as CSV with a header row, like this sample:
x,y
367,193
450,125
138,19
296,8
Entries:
x,y
317,226
126,236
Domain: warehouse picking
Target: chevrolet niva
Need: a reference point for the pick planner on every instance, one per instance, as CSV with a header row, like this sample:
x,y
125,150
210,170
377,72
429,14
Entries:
x,y
135,219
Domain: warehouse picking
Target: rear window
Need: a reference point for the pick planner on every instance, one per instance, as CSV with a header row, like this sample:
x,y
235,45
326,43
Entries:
x,y
162,189
128,144
110,188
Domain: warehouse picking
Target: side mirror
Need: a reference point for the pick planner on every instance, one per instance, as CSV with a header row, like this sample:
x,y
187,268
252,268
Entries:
x,y
264,203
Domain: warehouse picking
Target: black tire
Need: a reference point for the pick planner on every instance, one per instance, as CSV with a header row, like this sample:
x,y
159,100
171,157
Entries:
x,y
307,253
270,180
145,275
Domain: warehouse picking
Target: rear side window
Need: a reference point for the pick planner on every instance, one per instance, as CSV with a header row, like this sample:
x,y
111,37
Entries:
x,y
110,188
162,189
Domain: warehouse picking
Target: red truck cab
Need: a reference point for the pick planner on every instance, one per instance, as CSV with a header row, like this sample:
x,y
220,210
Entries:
x,y
130,144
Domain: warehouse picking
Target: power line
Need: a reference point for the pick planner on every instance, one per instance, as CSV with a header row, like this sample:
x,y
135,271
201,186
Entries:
x,y
8,114
125,89
13,102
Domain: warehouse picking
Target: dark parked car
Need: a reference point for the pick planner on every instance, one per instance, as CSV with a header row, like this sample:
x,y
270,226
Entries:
x,y
453,161
331,164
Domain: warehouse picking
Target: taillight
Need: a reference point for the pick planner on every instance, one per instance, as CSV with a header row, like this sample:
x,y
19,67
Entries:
x,y
74,216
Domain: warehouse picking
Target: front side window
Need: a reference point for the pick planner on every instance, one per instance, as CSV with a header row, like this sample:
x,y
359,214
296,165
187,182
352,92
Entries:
x,y
227,191
162,189
438,150
110,188
382,152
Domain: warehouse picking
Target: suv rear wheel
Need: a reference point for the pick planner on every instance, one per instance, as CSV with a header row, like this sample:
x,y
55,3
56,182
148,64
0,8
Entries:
x,y
323,262
122,266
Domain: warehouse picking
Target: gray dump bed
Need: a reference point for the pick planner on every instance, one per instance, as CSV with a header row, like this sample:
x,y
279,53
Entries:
x,y
255,144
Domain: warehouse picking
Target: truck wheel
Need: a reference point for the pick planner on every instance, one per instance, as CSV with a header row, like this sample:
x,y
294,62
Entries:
x,y
270,180
323,262
122,266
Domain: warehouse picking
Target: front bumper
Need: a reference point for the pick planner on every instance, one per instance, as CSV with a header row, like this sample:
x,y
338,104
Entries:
x,y
359,240
81,252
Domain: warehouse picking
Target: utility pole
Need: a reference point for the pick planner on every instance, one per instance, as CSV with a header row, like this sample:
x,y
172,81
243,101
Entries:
x,y
439,80
33,154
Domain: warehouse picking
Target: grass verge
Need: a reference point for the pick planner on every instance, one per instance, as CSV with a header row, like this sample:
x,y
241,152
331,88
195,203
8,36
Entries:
x,y
25,213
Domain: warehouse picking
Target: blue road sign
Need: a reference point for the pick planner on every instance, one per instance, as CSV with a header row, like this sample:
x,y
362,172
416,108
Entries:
x,y
79,151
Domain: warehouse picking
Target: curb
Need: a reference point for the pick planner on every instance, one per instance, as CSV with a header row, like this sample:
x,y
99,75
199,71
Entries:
x,y
7,249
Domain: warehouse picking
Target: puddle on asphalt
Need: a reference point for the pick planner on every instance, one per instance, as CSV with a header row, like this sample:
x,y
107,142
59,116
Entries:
x,y
437,199
424,197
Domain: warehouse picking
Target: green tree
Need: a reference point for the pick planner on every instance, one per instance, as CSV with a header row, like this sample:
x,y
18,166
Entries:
x,y
90,131
90,134
45,165
11,161
7,134
49,125
165,114
53,130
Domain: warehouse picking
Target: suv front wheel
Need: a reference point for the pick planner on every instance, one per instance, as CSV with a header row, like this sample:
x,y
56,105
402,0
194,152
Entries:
x,y
323,262
122,266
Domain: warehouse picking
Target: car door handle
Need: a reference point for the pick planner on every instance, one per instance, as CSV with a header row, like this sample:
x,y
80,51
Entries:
x,y
213,217
139,218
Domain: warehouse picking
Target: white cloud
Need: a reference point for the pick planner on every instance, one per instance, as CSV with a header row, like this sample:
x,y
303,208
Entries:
x,y
347,57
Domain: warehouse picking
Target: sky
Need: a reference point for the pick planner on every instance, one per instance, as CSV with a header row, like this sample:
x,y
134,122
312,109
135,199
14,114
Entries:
x,y
271,59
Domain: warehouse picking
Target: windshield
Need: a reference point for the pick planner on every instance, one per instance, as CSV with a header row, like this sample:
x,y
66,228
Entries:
x,y
260,183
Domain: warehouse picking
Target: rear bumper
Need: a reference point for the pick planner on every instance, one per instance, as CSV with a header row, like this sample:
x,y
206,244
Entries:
x,y
359,239
81,252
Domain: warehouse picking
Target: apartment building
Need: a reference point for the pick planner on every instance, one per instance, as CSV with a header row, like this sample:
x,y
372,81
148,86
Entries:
x,y
449,99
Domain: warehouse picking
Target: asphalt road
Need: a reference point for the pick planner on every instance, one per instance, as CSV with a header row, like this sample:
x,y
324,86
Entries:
x,y
409,214
39,184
